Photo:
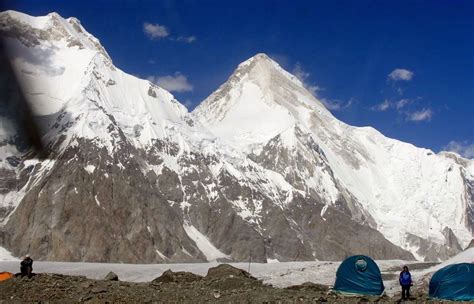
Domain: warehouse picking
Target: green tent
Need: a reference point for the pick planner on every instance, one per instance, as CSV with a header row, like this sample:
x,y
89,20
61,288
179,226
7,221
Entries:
x,y
359,274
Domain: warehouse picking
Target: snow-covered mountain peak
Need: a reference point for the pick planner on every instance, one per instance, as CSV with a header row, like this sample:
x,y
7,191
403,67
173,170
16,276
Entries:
x,y
388,178
256,57
264,71
262,98
32,31
66,73
260,61
273,164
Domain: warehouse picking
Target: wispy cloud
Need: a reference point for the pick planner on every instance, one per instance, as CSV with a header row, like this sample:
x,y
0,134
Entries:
x,y
424,114
187,39
302,75
403,106
381,107
155,31
298,71
398,104
336,105
463,148
188,104
174,83
400,75
330,104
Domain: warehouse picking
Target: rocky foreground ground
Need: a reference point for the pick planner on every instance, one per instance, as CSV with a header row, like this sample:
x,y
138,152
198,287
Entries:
x,y
222,284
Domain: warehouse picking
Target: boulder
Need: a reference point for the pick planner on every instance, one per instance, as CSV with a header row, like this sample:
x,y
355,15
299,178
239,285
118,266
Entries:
x,y
177,277
225,271
111,276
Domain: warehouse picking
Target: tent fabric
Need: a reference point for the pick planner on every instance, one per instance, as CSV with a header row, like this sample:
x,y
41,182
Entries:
x,y
359,274
6,275
453,282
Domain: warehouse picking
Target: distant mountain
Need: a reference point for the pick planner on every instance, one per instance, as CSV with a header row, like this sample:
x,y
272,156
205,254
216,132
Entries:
x,y
261,168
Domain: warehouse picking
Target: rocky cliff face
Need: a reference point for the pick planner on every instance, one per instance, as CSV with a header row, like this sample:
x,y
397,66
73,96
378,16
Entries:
x,y
133,177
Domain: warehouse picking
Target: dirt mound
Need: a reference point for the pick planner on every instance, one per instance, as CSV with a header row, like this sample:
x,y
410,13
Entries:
x,y
177,277
223,285
227,271
309,286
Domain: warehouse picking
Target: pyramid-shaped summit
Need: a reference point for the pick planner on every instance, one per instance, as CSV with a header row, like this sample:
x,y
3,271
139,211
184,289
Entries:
x,y
262,99
368,171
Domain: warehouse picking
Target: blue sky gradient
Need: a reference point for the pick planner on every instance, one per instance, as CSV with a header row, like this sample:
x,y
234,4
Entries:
x,y
346,49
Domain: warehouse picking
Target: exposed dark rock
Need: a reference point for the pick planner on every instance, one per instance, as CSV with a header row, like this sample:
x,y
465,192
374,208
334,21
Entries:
x,y
177,277
151,92
226,271
430,250
111,276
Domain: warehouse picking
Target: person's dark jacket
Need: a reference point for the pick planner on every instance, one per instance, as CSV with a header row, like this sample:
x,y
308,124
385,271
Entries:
x,y
26,266
405,278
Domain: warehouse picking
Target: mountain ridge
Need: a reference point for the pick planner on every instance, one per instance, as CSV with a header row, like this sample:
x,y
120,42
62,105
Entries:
x,y
352,148
155,183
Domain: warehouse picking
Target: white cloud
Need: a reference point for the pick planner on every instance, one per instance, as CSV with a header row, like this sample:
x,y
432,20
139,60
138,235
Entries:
x,y
462,148
424,114
313,89
335,104
299,72
187,39
383,106
402,103
177,83
302,76
330,104
188,104
155,31
386,104
401,75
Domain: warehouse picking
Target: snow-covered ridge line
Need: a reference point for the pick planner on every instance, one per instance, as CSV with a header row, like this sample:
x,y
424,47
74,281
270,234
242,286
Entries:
x,y
51,26
282,184
409,191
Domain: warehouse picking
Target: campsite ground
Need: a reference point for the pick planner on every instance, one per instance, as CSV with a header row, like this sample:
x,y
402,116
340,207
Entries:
x,y
277,282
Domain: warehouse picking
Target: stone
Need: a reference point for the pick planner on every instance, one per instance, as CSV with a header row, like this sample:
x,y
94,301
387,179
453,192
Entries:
x,y
227,271
111,276
177,277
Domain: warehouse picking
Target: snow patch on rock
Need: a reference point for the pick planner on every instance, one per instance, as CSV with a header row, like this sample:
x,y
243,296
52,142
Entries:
x,y
202,242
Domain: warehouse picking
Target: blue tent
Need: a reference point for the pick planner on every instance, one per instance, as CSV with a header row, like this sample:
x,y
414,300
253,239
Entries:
x,y
453,282
360,275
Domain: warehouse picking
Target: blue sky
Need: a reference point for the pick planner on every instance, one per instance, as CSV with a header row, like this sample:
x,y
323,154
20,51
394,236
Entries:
x,y
405,68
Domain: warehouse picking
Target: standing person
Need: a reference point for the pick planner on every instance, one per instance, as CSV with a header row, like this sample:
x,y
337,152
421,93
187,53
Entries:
x,y
26,266
405,282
